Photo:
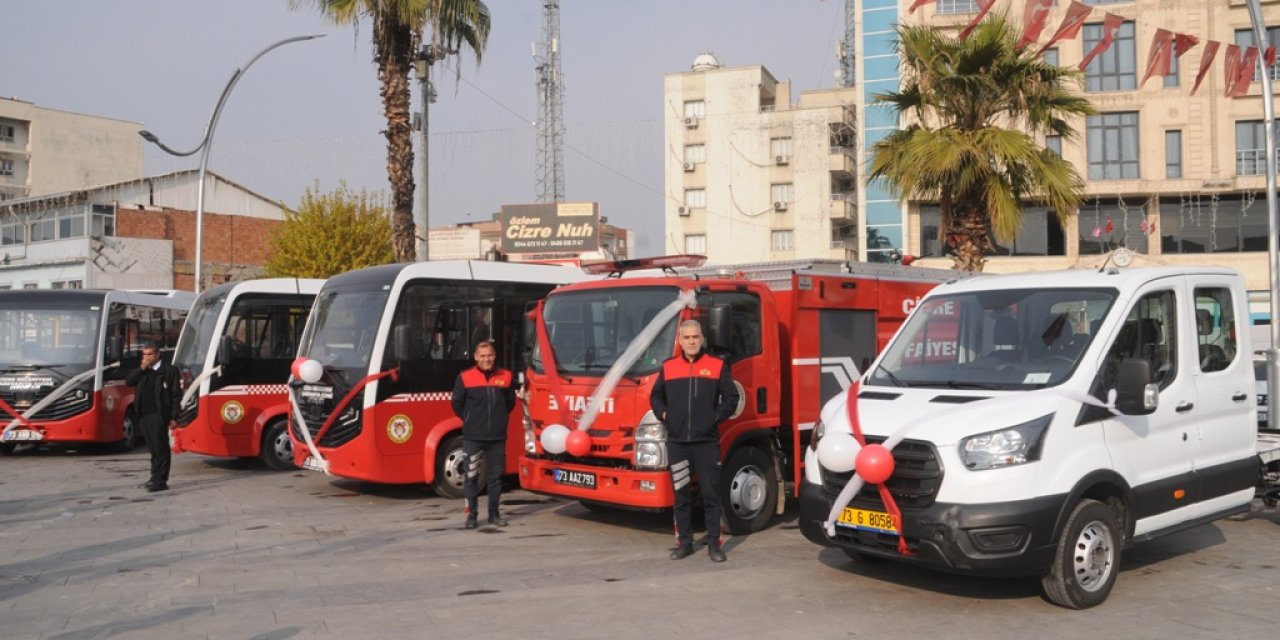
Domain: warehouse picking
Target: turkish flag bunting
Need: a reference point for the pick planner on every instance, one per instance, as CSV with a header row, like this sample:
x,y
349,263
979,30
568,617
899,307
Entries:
x,y
1230,67
1109,28
1244,72
1210,50
917,4
1034,15
1076,15
1110,226
1270,56
983,7
1182,43
1159,57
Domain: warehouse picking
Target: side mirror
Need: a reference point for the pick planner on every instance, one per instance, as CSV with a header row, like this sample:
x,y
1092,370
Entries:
x,y
530,333
226,350
1136,395
115,348
719,329
404,342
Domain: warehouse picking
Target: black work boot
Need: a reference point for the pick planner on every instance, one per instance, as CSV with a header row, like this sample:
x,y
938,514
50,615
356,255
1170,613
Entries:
x,y
683,551
471,521
715,552
497,520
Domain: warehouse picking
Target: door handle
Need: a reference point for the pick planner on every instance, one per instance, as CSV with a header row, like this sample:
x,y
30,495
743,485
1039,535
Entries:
x,y
1184,407
1240,397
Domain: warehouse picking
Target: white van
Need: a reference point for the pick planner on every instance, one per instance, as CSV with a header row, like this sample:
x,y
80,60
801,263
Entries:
x,y
1040,423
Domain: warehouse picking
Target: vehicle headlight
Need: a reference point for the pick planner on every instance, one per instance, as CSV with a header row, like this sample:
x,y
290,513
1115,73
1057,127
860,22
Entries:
x,y
1014,445
530,442
650,443
819,430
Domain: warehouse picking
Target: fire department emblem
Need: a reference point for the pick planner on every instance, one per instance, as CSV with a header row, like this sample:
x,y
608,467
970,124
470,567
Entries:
x,y
399,428
232,412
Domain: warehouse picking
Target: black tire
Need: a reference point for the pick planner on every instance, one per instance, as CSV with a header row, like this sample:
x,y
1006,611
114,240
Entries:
x,y
748,490
449,469
132,435
6,448
1087,559
277,449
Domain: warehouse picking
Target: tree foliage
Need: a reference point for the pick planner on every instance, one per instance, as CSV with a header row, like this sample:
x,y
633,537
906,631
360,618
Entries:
x,y
331,233
398,27
978,109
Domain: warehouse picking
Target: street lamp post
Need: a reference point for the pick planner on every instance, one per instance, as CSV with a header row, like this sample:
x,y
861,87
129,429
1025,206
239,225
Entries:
x,y
205,146
1273,215
428,55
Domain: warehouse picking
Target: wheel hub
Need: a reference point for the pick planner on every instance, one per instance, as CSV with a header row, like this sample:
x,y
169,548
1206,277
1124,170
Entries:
x,y
747,492
283,447
1093,556
453,467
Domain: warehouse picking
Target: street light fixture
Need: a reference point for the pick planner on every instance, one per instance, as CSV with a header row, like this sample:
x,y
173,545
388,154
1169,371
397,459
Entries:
x,y
428,55
206,146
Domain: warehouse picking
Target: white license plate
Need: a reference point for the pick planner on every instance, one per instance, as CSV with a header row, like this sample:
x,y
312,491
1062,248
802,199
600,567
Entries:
x,y
312,463
574,478
23,435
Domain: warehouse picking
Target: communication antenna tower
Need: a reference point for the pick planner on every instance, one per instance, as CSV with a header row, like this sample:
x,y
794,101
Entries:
x,y
549,80
846,49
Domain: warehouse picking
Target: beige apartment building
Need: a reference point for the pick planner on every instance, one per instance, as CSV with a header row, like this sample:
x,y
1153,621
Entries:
x,y
1176,178
45,151
750,176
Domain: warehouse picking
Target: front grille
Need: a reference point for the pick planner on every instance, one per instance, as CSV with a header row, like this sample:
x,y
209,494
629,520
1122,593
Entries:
x,y
917,476
72,403
344,429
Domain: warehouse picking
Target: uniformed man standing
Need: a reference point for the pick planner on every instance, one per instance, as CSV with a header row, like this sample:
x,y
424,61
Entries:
x,y
156,397
694,393
483,397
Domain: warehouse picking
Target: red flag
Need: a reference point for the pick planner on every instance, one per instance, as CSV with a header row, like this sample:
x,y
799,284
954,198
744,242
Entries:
x,y
1034,15
916,5
1110,226
1109,28
1158,59
1230,67
1076,15
1210,50
1182,43
1244,72
983,7
1270,56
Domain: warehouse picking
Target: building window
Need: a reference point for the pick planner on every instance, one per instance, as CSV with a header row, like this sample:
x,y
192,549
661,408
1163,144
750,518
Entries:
x,y
1116,68
1173,154
104,220
695,198
13,231
695,109
31,285
1040,235
1112,142
951,7
783,240
67,284
695,153
1209,224
784,192
43,227
6,167
1244,38
71,223
7,133
1106,225
1251,147
1171,80
696,244
1053,143
1050,56
780,147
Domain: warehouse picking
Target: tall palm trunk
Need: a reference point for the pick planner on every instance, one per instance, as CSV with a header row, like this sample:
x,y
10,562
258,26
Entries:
x,y
393,54
969,239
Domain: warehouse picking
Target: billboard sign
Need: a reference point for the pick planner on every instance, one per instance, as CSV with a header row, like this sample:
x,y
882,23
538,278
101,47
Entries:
x,y
556,227
454,244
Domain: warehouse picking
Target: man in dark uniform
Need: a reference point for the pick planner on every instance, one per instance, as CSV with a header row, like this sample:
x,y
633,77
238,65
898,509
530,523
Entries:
x,y
694,393
483,397
157,394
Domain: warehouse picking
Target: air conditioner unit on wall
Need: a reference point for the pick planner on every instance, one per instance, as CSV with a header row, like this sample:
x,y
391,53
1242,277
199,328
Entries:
x,y
781,159
779,206
688,166
691,123
684,211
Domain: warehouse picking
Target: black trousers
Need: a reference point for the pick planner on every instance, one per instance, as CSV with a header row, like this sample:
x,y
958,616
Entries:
x,y
492,456
156,433
703,460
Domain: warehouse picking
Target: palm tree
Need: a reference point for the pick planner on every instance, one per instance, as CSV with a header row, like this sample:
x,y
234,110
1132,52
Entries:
x,y
398,27
977,108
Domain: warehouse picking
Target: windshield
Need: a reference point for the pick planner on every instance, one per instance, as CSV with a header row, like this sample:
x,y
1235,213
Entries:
x,y
197,335
590,329
343,327
31,338
1007,339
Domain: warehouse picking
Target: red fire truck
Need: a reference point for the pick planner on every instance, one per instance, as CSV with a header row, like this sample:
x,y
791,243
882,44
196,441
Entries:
x,y
64,355
794,333
392,340
234,357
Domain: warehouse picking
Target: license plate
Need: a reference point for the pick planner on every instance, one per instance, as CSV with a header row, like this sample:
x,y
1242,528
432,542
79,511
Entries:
x,y
877,521
1262,417
312,464
574,478
23,435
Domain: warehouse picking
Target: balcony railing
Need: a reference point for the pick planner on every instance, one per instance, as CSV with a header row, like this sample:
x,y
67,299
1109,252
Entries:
x,y
1253,162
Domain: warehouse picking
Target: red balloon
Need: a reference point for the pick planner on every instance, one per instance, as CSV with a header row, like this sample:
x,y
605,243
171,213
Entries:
x,y
297,362
874,463
578,443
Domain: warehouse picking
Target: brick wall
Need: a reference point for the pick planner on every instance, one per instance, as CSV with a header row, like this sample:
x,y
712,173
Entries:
x,y
235,247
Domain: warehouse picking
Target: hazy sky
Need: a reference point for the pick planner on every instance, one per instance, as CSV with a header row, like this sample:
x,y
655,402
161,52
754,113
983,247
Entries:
x,y
310,111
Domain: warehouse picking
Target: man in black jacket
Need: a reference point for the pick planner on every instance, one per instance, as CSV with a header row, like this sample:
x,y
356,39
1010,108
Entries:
x,y
694,393
483,396
157,394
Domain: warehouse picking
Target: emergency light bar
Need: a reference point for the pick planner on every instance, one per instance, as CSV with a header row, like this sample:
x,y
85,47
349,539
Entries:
x,y
665,263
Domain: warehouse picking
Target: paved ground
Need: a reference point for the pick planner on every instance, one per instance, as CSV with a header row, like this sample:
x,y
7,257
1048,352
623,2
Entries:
x,y
235,551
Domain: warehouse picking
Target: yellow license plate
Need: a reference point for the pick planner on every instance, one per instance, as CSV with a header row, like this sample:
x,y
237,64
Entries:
x,y
877,521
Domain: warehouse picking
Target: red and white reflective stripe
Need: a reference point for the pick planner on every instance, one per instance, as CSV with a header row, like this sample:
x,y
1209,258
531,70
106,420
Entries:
x,y
436,396
252,390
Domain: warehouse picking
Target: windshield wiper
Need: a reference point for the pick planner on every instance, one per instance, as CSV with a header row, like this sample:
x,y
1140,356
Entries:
x,y
20,367
966,384
892,378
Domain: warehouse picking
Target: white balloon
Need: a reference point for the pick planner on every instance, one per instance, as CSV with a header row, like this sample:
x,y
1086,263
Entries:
x,y
553,438
311,371
837,451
